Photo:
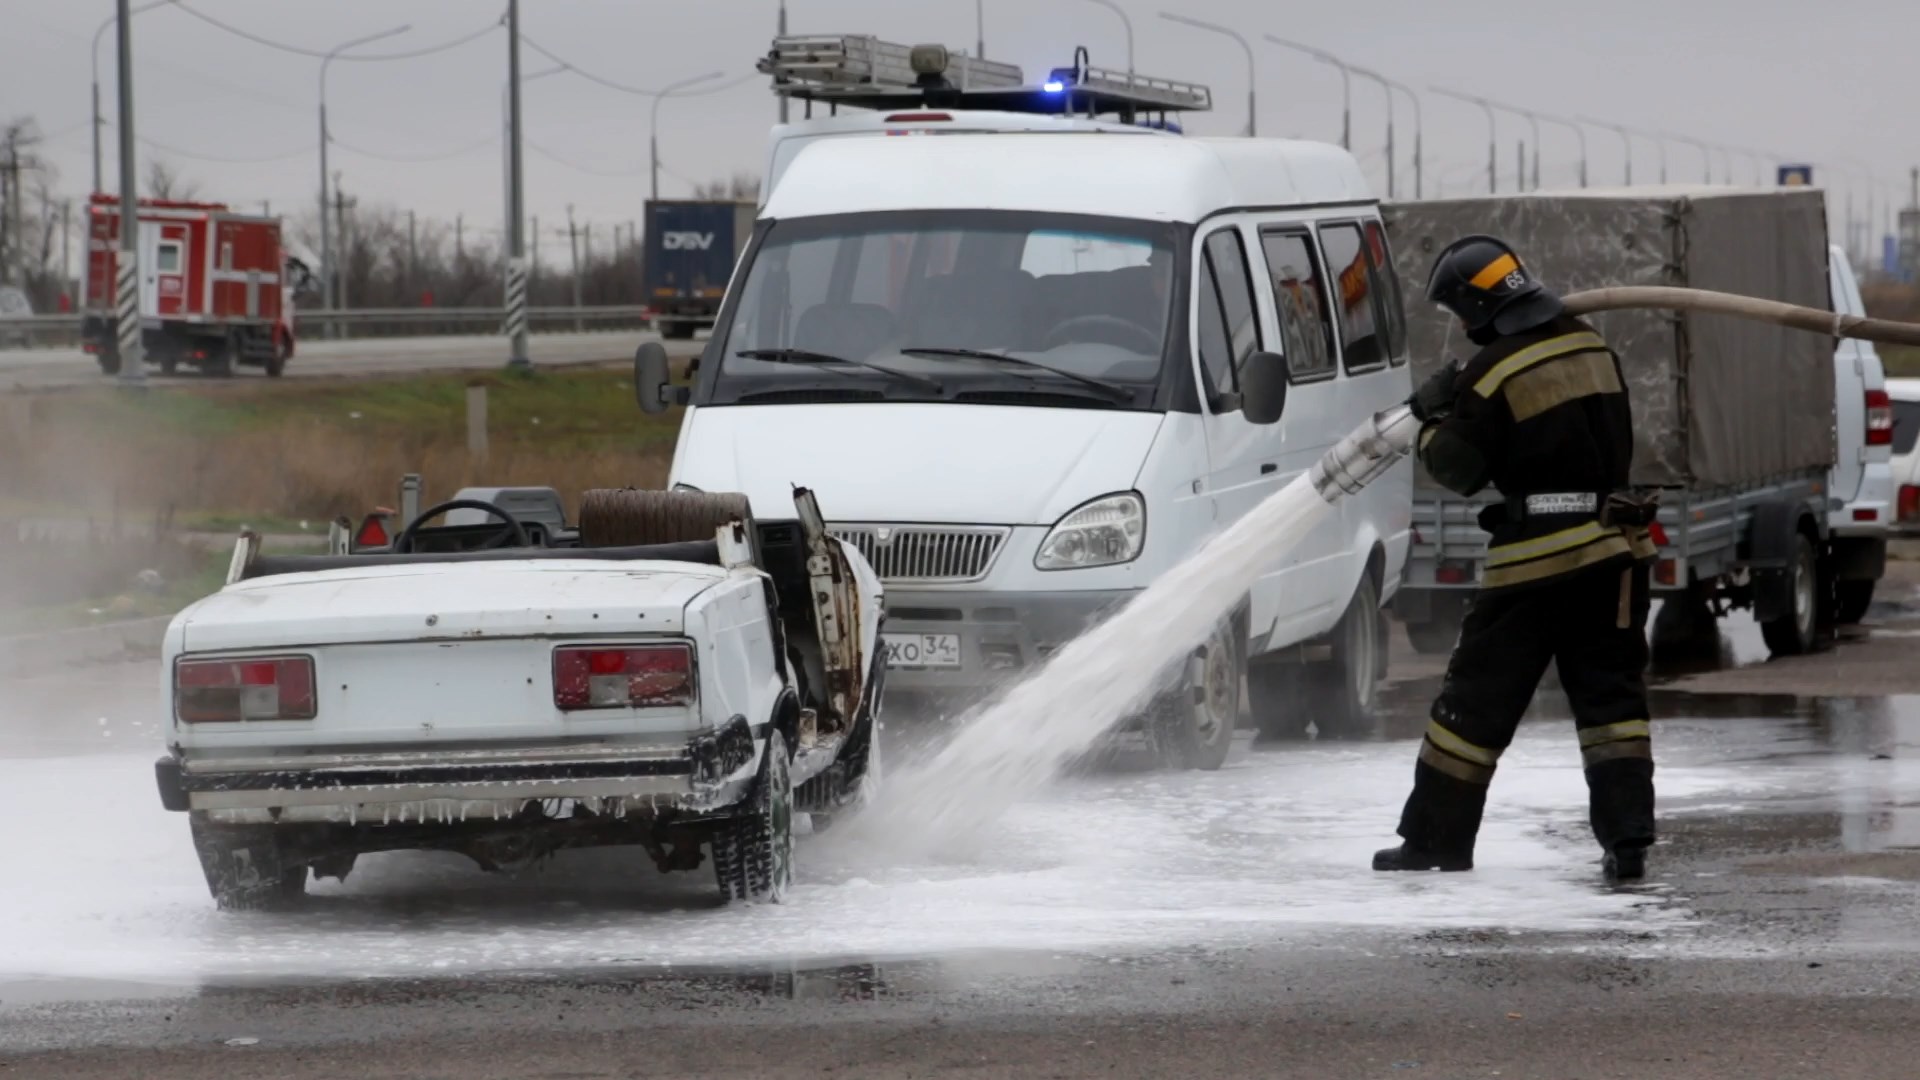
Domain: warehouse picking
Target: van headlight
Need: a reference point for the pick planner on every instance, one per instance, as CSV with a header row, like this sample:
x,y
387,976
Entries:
x,y
1105,532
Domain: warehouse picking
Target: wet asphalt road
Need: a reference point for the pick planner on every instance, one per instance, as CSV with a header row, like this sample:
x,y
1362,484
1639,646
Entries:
x,y
1225,925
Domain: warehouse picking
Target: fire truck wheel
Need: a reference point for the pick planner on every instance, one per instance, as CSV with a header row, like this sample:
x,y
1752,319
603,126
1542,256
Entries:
x,y
109,363
277,363
169,362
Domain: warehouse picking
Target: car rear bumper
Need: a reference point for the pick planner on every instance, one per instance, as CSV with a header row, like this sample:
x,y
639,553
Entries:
x,y
706,773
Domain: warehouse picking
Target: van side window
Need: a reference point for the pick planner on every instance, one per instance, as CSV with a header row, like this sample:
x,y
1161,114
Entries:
x,y
1216,354
1306,330
1232,285
1359,327
1386,293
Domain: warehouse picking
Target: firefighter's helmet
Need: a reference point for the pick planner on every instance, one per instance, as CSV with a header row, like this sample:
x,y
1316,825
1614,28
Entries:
x,y
1481,279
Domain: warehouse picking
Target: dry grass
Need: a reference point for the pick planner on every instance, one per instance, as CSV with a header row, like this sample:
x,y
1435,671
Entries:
x,y
55,574
317,450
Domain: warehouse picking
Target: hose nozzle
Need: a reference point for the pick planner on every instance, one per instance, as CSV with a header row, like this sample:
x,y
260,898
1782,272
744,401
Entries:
x,y
1367,451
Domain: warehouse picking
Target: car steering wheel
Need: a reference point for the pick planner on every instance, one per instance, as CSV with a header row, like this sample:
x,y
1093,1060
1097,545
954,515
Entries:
x,y
1061,335
510,529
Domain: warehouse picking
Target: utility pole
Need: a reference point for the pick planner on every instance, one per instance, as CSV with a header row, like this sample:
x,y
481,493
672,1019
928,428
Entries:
x,y
1520,170
66,246
331,298
573,245
133,360
340,226
533,252
516,285
413,255
459,240
782,31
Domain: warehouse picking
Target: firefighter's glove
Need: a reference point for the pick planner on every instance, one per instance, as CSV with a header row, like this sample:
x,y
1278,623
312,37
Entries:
x,y
1433,400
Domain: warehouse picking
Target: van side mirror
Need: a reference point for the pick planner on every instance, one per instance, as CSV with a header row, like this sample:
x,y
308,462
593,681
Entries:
x,y
652,380
1263,387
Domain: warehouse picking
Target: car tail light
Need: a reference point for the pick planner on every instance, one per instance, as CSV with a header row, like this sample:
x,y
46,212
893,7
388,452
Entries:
x,y
1866,515
251,688
1909,502
1666,572
1879,418
622,676
373,533
1453,573
1657,533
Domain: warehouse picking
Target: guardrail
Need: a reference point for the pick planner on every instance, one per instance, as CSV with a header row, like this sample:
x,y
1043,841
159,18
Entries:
x,y
36,331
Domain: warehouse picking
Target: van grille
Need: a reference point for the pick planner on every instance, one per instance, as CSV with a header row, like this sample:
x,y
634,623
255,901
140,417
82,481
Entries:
x,y
914,553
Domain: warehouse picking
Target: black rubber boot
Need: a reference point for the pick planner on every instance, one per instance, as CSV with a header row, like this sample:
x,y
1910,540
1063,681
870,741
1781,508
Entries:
x,y
1625,864
1408,857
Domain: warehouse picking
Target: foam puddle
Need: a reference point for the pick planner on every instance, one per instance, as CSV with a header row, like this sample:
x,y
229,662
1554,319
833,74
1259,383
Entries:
x,y
1013,746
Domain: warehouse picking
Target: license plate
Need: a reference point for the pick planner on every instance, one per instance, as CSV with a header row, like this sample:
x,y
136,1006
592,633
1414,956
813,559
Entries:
x,y
922,650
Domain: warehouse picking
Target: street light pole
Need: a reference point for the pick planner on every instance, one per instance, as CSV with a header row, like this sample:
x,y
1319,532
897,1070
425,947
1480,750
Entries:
x,y
1387,89
1110,5
653,127
98,120
1579,133
1493,133
327,272
1419,127
1253,86
515,290
1346,83
980,28
1626,140
133,370
782,31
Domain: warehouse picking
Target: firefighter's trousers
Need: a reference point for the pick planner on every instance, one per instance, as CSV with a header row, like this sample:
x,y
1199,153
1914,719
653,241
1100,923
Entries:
x,y
1593,624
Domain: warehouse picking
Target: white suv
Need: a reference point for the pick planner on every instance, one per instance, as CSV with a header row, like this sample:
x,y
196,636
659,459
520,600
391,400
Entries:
x,y
1905,395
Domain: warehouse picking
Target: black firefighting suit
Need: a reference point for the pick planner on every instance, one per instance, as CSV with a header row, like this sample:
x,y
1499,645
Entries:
x,y
1543,414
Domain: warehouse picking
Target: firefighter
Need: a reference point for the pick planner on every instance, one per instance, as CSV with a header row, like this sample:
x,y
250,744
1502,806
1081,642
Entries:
x,y
1540,412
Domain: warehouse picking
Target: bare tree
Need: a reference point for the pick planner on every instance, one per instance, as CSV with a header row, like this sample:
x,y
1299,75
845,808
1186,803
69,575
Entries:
x,y
740,187
20,166
164,181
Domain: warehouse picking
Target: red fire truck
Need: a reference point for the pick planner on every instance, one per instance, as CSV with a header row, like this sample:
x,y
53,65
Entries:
x,y
216,287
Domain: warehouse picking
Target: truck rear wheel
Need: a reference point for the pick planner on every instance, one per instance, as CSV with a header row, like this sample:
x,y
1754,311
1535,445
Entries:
x,y
1796,631
753,850
277,361
1852,599
1434,638
676,330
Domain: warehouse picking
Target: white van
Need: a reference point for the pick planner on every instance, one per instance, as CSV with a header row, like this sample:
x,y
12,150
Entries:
x,y
1012,363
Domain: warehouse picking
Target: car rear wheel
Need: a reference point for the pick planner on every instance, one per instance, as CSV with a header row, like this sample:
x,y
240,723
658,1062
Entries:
x,y
753,850
1434,638
246,867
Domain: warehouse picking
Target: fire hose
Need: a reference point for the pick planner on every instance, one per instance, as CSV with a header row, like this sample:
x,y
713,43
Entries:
x,y
1384,438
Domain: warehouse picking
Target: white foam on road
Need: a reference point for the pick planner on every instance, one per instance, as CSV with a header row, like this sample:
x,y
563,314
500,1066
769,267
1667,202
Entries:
x,y
1018,742
101,883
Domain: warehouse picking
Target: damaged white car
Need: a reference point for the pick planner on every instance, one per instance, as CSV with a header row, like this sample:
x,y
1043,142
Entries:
x,y
670,675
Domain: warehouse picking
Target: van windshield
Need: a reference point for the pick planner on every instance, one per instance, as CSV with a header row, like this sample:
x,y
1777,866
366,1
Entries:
x,y
966,306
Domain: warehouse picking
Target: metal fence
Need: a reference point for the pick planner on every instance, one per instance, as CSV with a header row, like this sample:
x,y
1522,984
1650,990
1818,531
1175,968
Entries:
x,y
44,331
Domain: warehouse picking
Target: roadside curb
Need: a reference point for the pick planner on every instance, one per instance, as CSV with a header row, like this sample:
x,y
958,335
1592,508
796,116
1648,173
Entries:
x,y
22,654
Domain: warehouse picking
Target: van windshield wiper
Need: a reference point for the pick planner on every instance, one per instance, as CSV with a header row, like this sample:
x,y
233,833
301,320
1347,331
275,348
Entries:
x,y
808,356
1111,391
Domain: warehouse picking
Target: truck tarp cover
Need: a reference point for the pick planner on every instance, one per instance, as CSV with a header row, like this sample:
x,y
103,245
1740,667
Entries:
x,y
1716,400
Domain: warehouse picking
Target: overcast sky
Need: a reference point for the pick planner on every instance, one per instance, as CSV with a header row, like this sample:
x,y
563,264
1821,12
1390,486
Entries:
x,y
1836,82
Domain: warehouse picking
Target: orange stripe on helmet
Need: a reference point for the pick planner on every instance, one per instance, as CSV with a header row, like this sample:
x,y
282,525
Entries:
x,y
1492,274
